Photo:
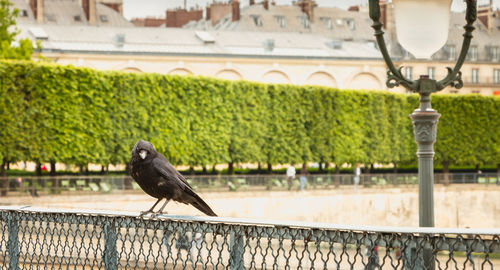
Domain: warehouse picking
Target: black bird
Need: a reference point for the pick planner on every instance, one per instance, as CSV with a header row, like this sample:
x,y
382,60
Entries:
x,y
158,178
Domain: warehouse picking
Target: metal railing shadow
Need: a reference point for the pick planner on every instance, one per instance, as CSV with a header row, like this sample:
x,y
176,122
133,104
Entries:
x,y
54,239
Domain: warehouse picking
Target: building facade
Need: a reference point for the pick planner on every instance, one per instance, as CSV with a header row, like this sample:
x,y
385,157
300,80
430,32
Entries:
x,y
71,12
291,58
299,44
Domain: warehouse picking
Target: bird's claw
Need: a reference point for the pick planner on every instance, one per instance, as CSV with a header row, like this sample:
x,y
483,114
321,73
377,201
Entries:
x,y
153,214
156,214
143,213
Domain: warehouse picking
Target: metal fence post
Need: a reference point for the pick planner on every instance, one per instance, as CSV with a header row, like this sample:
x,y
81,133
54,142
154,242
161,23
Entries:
x,y
237,249
110,252
13,242
409,258
418,259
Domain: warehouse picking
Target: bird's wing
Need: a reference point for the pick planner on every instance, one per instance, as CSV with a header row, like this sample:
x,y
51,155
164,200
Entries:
x,y
168,171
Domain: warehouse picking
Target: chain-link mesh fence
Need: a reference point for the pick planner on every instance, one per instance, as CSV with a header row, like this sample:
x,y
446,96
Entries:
x,y
44,239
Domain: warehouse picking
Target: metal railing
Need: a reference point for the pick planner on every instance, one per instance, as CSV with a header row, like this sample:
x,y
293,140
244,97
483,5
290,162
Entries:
x,y
33,238
47,185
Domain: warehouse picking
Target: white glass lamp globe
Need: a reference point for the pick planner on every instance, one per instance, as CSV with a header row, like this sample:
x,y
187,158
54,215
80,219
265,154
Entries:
x,y
422,25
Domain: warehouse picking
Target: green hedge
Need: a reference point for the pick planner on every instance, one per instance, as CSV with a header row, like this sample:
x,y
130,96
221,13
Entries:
x,y
79,116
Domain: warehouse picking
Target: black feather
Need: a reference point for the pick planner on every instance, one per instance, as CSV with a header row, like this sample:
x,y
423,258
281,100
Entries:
x,y
158,178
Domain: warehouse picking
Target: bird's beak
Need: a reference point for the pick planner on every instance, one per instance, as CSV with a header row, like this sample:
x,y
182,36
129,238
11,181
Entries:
x,y
143,154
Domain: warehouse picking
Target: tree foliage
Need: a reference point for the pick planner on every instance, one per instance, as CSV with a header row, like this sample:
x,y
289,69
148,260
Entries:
x,y
468,129
79,116
10,48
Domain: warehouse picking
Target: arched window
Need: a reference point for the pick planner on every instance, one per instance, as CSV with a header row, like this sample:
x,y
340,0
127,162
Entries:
x,y
180,71
321,78
275,76
365,81
132,70
229,74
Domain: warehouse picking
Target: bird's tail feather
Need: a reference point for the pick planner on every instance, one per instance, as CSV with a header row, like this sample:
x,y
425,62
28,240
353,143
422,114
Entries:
x,y
202,205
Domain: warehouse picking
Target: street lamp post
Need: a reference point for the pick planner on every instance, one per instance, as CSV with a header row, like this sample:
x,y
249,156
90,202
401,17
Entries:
x,y
422,34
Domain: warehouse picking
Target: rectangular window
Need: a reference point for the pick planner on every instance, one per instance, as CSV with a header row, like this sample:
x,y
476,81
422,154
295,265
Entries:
x,y
496,76
257,20
304,20
473,53
409,72
452,52
327,21
495,54
475,75
281,20
51,17
430,72
350,23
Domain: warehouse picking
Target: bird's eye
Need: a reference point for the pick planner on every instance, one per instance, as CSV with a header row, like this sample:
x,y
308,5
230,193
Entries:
x,y
143,154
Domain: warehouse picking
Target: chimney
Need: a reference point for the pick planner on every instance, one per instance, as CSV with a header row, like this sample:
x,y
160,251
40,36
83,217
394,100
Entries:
x,y
353,8
89,8
180,17
236,11
307,6
37,8
485,15
252,2
207,17
265,4
387,18
219,10
383,12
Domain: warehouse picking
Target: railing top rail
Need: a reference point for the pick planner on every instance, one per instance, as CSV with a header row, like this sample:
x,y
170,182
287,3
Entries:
x,y
262,222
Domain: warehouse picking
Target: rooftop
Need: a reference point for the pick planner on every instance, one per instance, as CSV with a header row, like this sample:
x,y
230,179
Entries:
x,y
339,24
278,31
147,40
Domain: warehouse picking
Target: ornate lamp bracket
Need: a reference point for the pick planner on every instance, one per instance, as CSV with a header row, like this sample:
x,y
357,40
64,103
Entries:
x,y
395,76
397,79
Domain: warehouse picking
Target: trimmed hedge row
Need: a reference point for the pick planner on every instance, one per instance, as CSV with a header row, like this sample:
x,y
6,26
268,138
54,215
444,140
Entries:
x,y
79,116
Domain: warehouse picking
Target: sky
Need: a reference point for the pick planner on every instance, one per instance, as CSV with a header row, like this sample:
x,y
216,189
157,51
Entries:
x,y
157,8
